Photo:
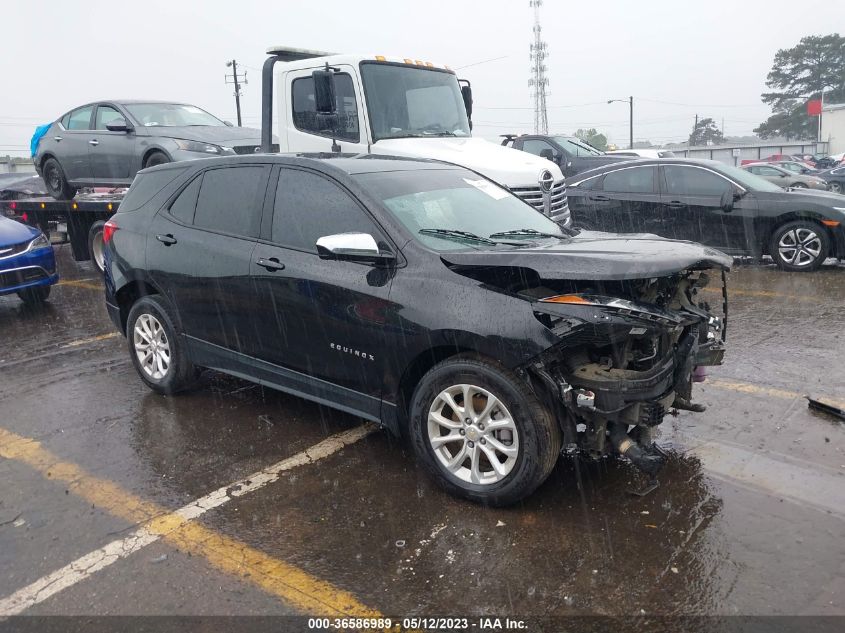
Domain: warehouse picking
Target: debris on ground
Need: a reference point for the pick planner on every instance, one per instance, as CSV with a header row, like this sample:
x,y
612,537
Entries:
x,y
824,407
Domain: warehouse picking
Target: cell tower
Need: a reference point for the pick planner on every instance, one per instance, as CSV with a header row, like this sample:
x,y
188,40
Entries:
x,y
539,81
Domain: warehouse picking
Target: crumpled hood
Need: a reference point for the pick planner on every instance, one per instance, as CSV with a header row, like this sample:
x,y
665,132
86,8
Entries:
x,y
507,166
217,134
599,256
13,232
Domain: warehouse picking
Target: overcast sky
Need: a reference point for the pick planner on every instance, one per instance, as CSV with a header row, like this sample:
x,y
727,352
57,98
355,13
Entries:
x,y
676,58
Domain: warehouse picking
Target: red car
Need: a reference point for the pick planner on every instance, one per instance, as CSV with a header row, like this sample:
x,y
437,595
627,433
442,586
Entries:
x,y
776,158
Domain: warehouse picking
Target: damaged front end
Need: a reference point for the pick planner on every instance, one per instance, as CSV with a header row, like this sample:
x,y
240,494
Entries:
x,y
628,353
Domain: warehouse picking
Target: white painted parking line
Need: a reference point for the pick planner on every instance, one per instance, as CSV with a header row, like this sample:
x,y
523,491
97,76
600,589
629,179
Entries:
x,y
89,564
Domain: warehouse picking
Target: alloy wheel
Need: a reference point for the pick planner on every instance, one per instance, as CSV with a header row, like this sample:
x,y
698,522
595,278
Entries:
x,y
151,346
472,434
799,247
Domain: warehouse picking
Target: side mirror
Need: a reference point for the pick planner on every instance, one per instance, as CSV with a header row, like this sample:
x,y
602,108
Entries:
x,y
228,124
783,175
466,93
324,92
727,201
548,154
118,125
360,247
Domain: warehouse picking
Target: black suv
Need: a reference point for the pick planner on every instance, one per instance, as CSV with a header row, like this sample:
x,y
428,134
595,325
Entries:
x,y
716,204
571,153
418,295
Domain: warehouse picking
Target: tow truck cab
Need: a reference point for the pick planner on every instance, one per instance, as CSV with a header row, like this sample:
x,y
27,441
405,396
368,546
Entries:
x,y
393,106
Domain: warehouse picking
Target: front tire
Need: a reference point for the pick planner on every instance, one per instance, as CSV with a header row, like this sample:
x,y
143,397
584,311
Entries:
x,y
836,187
799,246
157,351
95,245
798,185
34,296
55,180
481,432
156,158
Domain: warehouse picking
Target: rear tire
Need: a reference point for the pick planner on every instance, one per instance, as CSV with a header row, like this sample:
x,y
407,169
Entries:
x,y
156,158
507,424
95,245
156,350
55,180
798,185
836,187
34,296
799,246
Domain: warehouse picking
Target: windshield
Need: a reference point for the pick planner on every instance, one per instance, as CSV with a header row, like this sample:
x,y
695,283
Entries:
x,y
171,115
576,147
748,180
455,200
405,101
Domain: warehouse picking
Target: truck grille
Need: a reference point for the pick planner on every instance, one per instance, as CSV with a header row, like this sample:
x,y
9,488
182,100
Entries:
x,y
254,149
558,204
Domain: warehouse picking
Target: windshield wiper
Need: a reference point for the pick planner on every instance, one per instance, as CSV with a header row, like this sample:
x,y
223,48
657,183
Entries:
x,y
525,232
443,133
455,234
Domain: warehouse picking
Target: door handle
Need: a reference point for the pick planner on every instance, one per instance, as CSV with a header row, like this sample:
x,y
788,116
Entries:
x,y
167,240
675,204
94,142
600,198
271,264
57,138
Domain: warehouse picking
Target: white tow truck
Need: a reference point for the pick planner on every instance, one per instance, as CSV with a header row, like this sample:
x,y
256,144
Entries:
x,y
397,106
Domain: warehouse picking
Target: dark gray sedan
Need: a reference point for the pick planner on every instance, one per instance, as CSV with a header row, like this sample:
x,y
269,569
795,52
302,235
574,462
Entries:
x,y
106,143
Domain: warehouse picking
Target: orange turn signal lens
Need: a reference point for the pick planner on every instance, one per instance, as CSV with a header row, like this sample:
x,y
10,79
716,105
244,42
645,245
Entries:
x,y
830,223
75,206
566,299
380,58
110,206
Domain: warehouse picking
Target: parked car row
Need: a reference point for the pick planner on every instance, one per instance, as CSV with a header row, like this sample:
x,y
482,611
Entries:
x,y
712,203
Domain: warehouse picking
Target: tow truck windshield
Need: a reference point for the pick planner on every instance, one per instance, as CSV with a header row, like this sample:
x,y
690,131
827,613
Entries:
x,y
405,101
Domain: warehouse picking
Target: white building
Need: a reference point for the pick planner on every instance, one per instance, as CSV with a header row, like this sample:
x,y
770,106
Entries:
x,y
833,127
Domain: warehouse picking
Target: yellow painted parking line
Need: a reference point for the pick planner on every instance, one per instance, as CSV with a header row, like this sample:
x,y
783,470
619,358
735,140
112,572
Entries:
x,y
760,390
80,283
93,339
294,586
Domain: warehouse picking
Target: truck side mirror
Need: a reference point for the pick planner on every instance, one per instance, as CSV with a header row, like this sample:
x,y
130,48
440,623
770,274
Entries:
x,y
548,154
324,92
466,93
727,201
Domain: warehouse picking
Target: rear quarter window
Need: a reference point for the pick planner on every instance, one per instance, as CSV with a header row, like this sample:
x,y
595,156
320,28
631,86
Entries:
x,y
147,185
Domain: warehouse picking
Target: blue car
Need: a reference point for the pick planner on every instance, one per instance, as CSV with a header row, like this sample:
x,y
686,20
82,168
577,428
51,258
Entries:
x,y
27,263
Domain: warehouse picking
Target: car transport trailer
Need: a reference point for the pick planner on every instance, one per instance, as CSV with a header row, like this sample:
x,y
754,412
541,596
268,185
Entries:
x,y
79,221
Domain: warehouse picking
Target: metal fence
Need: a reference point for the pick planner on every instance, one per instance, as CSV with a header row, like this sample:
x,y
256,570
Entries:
x,y
12,164
735,154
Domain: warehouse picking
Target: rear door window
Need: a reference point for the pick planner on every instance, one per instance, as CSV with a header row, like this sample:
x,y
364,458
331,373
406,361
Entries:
x,y
182,208
80,119
633,180
229,200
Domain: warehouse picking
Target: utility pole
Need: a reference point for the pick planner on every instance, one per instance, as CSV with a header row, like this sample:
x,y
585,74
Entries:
x,y
630,102
538,80
236,80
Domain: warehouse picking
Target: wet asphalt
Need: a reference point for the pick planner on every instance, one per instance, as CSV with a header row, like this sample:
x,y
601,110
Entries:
x,y
749,517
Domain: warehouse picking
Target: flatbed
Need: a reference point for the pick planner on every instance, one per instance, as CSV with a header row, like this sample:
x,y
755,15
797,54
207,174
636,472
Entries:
x,y
79,221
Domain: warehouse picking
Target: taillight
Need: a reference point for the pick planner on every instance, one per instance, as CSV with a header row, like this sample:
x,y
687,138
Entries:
x,y
108,230
14,205
24,217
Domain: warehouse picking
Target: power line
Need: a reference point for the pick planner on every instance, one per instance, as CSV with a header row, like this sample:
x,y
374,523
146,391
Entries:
x,y
494,59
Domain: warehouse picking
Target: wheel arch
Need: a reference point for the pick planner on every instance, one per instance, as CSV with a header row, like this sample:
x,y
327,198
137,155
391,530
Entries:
x,y
152,150
792,216
129,293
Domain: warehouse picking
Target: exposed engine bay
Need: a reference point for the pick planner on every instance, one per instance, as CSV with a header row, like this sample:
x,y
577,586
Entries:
x,y
628,353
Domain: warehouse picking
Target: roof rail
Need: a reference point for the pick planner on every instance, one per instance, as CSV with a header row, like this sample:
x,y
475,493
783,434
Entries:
x,y
290,54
